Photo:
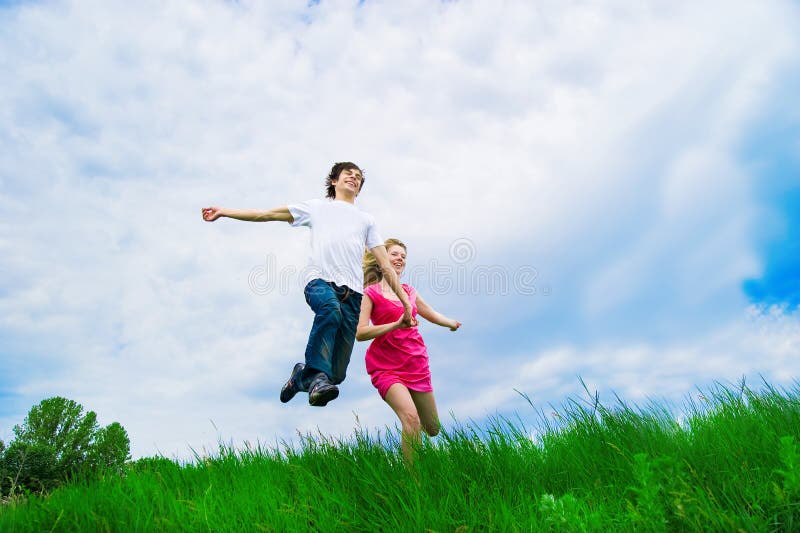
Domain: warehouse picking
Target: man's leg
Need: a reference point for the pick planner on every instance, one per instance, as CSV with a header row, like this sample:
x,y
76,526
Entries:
x,y
345,336
321,341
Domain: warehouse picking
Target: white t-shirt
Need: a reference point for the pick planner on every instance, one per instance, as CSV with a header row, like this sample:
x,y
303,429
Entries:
x,y
339,233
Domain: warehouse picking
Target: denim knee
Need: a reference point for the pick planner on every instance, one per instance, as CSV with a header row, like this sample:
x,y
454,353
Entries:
x,y
331,314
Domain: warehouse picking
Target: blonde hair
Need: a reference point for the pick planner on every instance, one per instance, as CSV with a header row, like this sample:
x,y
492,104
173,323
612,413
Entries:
x,y
372,270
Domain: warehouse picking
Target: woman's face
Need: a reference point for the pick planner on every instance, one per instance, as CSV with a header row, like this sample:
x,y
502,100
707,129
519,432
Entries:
x,y
397,257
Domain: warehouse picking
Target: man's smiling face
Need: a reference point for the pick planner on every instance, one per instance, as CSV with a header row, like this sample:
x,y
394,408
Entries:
x,y
349,182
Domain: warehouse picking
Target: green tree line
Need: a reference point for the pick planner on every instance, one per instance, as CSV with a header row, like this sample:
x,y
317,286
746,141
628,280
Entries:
x,y
56,443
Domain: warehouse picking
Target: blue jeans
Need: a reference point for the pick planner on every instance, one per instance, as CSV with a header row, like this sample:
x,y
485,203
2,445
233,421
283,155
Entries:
x,y
333,333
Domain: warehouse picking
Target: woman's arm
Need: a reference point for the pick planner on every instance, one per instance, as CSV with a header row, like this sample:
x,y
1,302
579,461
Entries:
x,y
364,331
428,313
280,214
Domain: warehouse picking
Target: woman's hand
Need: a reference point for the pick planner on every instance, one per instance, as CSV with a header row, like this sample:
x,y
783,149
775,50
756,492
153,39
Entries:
x,y
408,320
454,325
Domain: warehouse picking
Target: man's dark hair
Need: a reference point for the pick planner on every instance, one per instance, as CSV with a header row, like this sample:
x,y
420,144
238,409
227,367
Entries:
x,y
334,175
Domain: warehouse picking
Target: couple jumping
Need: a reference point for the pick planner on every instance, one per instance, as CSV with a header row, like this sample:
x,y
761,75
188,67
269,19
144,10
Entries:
x,y
339,272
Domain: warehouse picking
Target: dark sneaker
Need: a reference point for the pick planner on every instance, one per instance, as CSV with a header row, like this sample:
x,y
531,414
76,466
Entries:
x,y
322,391
290,389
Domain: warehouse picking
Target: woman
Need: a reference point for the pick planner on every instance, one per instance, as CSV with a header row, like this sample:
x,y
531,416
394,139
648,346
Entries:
x,y
397,360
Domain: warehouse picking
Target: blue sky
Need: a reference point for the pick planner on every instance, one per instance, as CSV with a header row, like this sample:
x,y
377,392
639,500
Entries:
x,y
643,161
774,155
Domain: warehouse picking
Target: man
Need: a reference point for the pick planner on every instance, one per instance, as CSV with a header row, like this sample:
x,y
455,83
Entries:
x,y
340,232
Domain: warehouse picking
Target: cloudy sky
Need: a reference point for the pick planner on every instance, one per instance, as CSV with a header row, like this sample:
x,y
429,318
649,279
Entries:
x,y
602,191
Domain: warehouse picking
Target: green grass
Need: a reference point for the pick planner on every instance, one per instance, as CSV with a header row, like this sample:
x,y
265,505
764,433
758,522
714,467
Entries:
x,y
732,465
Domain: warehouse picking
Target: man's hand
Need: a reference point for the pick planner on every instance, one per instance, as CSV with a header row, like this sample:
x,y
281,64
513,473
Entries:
x,y
408,321
281,214
210,214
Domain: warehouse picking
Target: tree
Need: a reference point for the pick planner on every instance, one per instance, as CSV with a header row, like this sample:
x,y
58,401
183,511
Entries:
x,y
60,424
56,442
27,466
111,447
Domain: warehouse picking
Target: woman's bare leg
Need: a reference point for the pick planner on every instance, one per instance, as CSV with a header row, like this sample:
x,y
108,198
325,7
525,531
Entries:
x,y
426,409
399,399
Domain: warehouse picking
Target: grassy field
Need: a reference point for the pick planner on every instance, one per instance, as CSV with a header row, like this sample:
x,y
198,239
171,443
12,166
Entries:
x,y
731,464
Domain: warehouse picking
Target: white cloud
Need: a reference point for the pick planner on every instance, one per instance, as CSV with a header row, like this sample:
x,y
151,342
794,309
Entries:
x,y
595,142
760,343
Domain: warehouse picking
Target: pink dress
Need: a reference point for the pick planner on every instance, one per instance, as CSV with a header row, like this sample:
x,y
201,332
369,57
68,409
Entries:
x,y
399,356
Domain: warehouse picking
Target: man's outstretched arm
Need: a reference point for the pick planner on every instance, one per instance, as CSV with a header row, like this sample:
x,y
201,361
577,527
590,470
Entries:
x,y
279,214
